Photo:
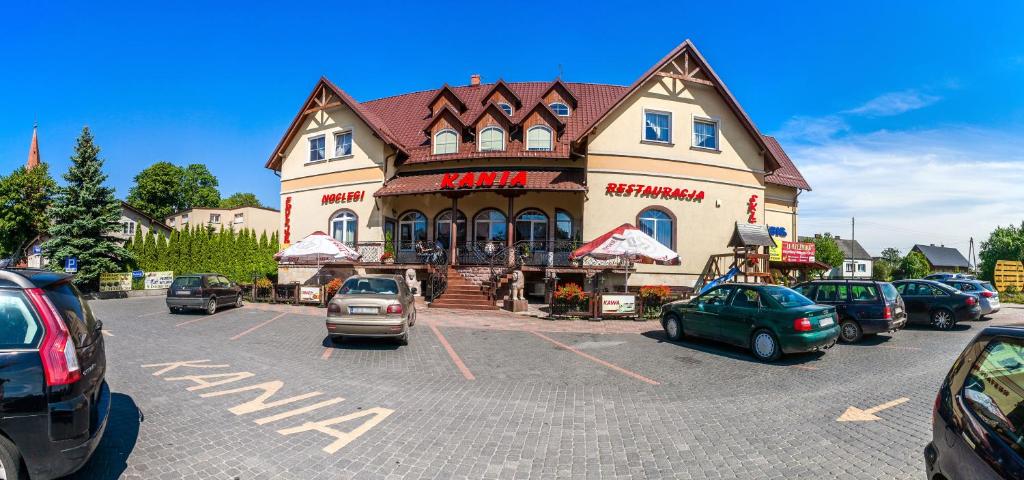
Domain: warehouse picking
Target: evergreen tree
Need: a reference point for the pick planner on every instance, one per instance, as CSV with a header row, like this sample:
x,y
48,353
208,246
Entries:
x,y
148,260
174,252
84,213
135,248
160,262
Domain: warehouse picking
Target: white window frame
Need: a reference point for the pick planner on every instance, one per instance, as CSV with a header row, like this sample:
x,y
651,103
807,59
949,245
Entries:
x,y
551,138
435,144
568,110
507,108
309,159
643,126
337,143
184,218
718,132
239,218
215,218
344,218
480,143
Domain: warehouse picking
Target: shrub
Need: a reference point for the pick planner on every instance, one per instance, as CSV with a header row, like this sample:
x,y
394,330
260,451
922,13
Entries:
x,y
655,292
1011,290
332,287
571,295
386,256
264,284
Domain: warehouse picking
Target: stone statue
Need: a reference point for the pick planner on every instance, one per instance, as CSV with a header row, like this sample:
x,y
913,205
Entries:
x,y
518,285
410,280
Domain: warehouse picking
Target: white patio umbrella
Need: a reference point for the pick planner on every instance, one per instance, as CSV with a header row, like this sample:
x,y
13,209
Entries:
x,y
630,243
315,249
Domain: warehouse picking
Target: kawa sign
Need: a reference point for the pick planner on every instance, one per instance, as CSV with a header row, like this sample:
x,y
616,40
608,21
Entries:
x,y
505,179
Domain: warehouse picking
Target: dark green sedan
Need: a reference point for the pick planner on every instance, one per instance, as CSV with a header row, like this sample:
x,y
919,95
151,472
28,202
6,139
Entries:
x,y
768,319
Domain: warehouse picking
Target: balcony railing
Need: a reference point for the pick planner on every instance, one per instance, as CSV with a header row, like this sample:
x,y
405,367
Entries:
x,y
546,253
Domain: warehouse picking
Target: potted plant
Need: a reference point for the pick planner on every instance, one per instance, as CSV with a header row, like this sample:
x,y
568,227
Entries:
x,y
388,256
570,298
652,297
332,288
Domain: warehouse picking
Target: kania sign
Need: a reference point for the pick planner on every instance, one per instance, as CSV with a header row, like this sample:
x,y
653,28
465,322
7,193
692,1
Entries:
x,y
653,191
468,180
346,197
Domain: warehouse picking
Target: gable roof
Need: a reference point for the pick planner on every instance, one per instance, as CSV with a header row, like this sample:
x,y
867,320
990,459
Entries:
x,y
492,107
153,221
451,115
771,163
500,84
942,256
750,235
447,89
852,250
313,104
566,93
787,174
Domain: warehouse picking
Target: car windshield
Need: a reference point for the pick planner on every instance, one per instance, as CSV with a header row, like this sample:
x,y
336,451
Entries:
x,y
186,282
889,291
371,286
786,297
988,286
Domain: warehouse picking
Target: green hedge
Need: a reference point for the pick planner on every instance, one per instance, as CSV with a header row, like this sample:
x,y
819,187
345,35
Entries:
x,y
240,256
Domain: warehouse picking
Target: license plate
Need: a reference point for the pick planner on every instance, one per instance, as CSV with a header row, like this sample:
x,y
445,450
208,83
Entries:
x,y
898,310
184,292
825,321
362,310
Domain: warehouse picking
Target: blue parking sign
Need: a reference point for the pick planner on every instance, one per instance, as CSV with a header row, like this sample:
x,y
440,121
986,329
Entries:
x,y
71,264
138,274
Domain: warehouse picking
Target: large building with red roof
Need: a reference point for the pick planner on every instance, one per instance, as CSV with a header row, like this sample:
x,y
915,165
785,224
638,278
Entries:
x,y
532,170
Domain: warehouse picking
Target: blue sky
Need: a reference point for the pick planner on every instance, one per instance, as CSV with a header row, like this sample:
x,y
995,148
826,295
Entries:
x,y
908,116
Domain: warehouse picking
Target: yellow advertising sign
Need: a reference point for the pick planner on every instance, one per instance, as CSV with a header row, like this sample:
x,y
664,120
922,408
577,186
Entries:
x,y
115,282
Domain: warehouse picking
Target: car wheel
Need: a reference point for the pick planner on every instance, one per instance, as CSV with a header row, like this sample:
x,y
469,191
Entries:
x,y
404,339
173,310
10,461
764,346
850,331
984,318
673,328
942,319
238,301
211,306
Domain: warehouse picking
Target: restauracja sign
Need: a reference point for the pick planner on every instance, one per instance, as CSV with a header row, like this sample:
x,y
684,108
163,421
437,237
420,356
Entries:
x,y
641,190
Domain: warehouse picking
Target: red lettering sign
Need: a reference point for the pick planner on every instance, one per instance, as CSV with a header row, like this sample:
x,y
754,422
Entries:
x,y
288,220
651,191
353,196
504,179
752,209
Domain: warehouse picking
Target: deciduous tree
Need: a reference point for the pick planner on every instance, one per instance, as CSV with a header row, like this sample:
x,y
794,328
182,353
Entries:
x,y
25,196
241,199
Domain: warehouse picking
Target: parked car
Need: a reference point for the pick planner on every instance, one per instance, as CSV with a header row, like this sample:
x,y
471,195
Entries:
x,y
770,320
987,297
203,291
978,419
378,306
864,307
54,401
941,276
937,304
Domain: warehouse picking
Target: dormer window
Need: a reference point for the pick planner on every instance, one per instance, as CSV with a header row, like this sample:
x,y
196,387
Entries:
x,y
446,141
506,108
538,138
560,109
492,139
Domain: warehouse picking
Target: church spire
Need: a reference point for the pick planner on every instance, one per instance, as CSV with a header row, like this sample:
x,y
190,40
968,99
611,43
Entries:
x,y
33,151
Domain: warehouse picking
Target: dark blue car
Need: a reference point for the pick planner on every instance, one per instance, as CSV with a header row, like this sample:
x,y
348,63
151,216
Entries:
x,y
865,307
978,420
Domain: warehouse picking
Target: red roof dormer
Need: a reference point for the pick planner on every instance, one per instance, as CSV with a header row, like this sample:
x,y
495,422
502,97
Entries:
x,y
445,96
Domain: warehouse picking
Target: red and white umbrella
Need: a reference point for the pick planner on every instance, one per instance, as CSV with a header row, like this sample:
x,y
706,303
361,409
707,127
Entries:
x,y
629,242
317,248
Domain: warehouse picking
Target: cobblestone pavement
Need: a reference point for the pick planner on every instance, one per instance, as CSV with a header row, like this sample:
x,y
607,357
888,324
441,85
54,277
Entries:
x,y
500,396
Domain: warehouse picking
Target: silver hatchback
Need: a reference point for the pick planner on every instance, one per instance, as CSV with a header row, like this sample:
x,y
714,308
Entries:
x,y
377,306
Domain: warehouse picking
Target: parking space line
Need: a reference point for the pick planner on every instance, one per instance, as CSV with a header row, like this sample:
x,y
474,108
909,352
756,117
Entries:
x,y
451,353
206,317
327,353
150,314
236,337
595,359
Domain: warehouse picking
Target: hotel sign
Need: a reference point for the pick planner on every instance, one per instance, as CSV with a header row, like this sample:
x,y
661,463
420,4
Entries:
x,y
653,191
474,180
346,197
793,252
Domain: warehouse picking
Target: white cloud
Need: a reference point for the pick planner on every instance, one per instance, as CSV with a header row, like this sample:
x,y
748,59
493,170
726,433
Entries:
x,y
813,129
894,103
938,186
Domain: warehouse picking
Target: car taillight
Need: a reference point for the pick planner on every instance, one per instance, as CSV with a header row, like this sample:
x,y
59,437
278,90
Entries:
x,y
971,301
802,324
887,313
333,309
57,350
395,308
987,294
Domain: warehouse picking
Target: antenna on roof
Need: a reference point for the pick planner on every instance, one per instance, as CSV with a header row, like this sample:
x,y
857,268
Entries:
x,y
560,72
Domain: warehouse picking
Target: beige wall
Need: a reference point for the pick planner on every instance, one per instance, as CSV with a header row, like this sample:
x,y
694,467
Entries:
x,y
258,220
781,209
140,222
309,214
367,150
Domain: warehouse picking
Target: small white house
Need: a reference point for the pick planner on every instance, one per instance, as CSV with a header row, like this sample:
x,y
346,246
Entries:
x,y
857,262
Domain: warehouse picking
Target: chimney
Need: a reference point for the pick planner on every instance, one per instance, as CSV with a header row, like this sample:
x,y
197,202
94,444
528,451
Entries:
x,y
474,79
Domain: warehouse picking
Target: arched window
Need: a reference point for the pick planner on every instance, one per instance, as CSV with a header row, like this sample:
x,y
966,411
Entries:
x,y
563,225
538,138
443,228
560,109
507,108
658,224
412,229
446,141
532,226
343,227
490,226
492,139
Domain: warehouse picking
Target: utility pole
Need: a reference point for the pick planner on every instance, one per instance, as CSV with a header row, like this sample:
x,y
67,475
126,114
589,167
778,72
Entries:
x,y
853,228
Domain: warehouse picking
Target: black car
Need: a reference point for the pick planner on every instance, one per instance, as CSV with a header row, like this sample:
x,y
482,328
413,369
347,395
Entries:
x,y
978,420
204,291
865,307
54,401
937,304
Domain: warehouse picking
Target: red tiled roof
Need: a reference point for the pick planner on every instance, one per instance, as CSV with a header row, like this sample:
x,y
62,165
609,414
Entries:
x,y
405,116
563,180
787,174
